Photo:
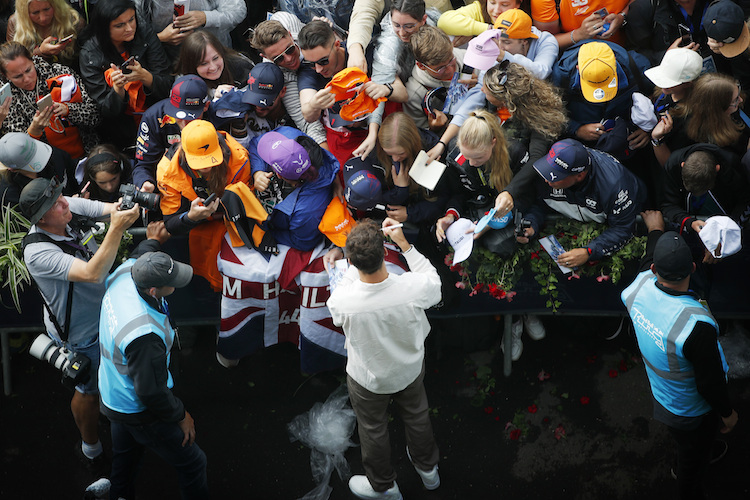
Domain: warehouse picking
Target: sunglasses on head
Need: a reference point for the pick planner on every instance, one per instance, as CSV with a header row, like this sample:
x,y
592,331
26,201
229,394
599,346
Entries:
x,y
288,52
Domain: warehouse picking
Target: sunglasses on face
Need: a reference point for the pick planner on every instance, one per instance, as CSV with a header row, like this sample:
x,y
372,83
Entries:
x,y
288,52
324,61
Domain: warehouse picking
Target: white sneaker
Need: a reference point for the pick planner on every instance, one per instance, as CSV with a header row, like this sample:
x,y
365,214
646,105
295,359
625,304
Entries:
x,y
430,479
517,345
534,327
362,488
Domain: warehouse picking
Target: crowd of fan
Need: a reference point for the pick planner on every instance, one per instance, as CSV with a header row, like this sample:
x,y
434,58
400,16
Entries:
x,y
596,110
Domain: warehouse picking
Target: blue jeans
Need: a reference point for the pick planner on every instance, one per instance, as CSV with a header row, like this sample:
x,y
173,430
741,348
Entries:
x,y
164,439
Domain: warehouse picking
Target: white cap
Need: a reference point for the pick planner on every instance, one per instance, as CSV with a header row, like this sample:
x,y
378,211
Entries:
x,y
677,66
720,229
642,113
460,236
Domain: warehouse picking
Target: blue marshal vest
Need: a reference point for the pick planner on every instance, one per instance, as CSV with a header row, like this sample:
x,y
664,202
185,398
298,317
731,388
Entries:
x,y
662,324
125,316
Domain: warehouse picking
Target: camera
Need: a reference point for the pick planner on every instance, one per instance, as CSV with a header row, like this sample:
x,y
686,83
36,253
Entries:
x,y
521,224
131,195
75,367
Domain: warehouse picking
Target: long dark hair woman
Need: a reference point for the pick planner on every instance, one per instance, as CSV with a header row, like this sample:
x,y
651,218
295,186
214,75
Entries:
x,y
124,67
204,55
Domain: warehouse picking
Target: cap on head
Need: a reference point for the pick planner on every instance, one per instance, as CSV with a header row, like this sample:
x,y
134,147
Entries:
x,y
678,66
19,151
672,258
157,269
515,24
38,196
363,183
263,85
565,158
724,21
187,98
483,50
285,156
200,141
597,67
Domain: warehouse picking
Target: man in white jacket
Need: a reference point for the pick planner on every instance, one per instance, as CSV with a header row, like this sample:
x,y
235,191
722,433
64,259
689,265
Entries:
x,y
385,326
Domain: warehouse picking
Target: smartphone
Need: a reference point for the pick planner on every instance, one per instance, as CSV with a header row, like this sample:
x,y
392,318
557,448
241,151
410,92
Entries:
x,y
686,36
603,13
124,65
4,92
44,103
67,38
209,200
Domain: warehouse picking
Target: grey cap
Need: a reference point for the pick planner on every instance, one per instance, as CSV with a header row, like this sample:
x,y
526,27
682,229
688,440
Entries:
x,y
19,151
38,196
157,269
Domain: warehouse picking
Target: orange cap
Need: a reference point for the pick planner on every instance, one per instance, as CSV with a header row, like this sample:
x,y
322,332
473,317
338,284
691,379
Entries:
x,y
201,145
346,85
515,24
597,67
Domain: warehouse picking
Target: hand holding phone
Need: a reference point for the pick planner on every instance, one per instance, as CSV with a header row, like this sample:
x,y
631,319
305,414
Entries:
x,y
64,40
45,102
124,66
603,13
686,36
209,200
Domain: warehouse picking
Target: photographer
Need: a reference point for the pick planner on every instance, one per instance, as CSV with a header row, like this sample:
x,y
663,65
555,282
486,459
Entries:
x,y
70,271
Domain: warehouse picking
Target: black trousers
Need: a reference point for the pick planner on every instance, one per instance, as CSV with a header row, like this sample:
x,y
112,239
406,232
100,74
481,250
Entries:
x,y
693,456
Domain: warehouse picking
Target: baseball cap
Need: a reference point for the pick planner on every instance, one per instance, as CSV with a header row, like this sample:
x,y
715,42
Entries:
x,y
38,196
346,86
483,51
460,237
566,157
721,229
363,183
677,66
597,67
263,85
515,24
337,222
201,145
19,151
159,269
286,156
642,113
724,21
186,99
672,258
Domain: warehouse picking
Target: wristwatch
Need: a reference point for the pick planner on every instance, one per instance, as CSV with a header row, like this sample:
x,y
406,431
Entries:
x,y
390,88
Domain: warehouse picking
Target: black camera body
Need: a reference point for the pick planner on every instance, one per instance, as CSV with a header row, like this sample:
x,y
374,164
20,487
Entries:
x,y
75,367
131,195
521,224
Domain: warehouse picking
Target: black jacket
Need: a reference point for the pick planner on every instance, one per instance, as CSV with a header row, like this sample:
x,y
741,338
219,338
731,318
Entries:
x,y
731,190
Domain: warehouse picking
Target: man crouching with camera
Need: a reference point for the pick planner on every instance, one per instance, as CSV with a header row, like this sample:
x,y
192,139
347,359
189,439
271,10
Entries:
x,y
70,270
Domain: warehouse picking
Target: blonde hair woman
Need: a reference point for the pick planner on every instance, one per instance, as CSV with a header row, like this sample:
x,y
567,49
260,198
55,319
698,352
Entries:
x,y
41,25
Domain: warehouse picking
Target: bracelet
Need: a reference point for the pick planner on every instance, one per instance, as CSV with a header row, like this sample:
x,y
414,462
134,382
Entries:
x,y
624,19
657,142
571,38
390,87
445,147
453,212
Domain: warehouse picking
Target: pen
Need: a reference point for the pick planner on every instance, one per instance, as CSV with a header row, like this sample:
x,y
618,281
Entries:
x,y
395,226
85,187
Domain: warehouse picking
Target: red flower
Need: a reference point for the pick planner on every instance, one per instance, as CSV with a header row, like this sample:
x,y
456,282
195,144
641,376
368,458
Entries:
x,y
543,376
574,236
560,432
488,410
509,296
585,400
602,277
545,420
534,255
623,366
613,373
515,434
591,359
460,285
532,409
497,419
574,276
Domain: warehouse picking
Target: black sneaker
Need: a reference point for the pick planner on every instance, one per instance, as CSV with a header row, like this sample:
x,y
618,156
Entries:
x,y
98,467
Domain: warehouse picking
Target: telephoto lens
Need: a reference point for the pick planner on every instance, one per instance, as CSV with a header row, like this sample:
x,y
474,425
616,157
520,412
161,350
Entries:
x,y
74,367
